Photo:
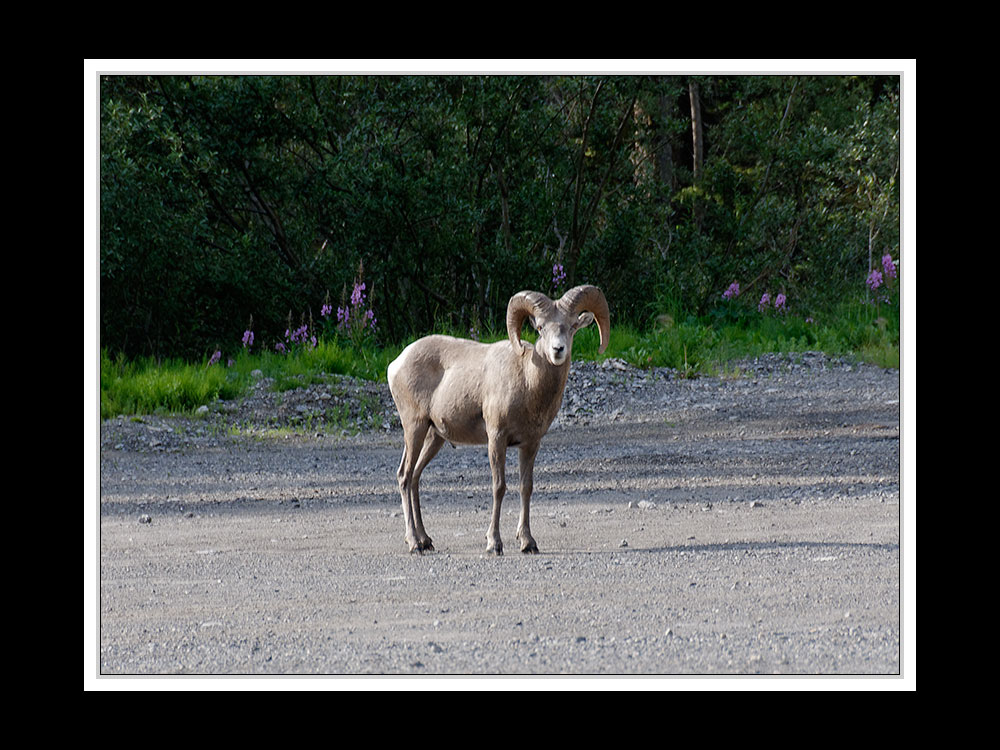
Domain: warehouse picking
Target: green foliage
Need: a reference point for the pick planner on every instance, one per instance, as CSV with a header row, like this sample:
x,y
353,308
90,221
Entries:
x,y
145,386
230,197
331,357
692,346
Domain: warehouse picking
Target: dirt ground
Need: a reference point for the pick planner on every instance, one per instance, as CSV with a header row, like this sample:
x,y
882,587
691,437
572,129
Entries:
x,y
740,525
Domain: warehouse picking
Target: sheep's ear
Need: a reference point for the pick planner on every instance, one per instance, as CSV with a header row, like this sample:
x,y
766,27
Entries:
x,y
585,319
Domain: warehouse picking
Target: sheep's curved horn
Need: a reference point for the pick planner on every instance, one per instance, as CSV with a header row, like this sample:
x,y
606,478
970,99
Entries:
x,y
522,305
591,299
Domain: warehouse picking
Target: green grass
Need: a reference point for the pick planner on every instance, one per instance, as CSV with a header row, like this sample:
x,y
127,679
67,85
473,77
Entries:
x,y
147,387
693,346
703,345
307,366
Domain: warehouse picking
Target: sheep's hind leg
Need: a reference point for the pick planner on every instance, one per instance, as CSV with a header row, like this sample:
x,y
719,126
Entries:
x,y
408,476
432,444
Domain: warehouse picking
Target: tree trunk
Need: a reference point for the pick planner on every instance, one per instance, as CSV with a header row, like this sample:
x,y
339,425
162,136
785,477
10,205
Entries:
x,y
664,146
583,220
697,136
697,148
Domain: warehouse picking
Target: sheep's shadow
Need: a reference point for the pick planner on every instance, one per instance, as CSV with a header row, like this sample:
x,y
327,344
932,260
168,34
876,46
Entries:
x,y
768,546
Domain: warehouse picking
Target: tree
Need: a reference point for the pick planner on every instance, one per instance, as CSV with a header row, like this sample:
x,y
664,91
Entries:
x,y
229,196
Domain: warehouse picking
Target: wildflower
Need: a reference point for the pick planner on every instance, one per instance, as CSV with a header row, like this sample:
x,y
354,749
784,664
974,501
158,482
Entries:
x,y
355,318
874,280
247,339
765,301
215,357
732,292
558,274
358,295
326,309
279,347
779,302
888,266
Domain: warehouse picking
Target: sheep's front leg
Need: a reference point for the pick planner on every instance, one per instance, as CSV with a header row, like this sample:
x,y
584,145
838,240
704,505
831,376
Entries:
x,y
526,466
498,461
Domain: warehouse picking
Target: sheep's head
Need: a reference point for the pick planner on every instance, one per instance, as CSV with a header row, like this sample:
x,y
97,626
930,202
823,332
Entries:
x,y
556,322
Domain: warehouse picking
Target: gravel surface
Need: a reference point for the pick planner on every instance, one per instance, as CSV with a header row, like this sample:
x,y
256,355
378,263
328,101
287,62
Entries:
x,y
738,525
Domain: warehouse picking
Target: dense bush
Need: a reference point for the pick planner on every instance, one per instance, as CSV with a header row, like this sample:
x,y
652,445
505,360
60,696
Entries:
x,y
226,199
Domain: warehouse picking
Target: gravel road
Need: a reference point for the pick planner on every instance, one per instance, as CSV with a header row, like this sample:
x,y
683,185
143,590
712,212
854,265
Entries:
x,y
740,525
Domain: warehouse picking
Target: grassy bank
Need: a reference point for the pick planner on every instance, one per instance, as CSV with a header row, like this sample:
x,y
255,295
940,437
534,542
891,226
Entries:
x,y
693,346
149,386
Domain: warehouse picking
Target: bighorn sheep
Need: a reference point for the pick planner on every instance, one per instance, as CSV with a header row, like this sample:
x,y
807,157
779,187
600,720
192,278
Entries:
x,y
500,394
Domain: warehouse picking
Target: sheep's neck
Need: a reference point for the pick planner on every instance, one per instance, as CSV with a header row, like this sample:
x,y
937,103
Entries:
x,y
545,378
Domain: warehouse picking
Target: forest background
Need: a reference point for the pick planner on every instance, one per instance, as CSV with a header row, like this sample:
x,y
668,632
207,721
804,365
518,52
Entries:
x,y
254,204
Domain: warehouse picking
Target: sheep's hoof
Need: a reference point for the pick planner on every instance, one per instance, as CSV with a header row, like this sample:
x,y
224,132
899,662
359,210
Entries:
x,y
496,548
421,546
528,545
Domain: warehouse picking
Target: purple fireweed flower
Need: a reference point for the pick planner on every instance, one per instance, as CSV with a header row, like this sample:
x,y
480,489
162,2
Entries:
x,y
779,302
279,347
732,292
299,334
765,301
358,295
874,280
888,266
247,339
215,357
326,309
343,314
558,274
